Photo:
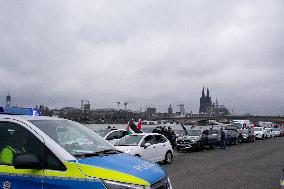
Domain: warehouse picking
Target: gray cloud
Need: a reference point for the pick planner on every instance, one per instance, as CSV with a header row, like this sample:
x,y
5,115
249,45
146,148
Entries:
x,y
144,52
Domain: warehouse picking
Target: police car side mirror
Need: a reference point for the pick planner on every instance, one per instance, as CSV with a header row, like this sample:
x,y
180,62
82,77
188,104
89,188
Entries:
x,y
28,161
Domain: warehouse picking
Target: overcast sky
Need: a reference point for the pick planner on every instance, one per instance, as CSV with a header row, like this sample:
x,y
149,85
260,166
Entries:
x,y
146,52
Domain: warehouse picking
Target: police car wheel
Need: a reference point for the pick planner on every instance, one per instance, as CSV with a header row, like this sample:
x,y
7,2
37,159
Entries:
x,y
168,157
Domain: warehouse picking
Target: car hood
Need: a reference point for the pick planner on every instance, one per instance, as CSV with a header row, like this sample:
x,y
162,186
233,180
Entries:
x,y
123,168
188,137
127,149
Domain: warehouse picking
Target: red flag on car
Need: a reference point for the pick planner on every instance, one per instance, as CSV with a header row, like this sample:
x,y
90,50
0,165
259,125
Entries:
x,y
132,128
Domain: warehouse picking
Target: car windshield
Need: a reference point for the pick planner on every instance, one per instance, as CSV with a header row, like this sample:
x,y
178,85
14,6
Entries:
x,y
257,129
103,133
243,131
194,132
276,129
238,125
129,140
73,137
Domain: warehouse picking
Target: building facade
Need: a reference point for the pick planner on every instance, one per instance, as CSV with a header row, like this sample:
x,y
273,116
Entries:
x,y
209,108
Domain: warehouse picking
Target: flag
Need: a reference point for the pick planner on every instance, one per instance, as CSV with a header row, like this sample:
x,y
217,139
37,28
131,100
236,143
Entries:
x,y
184,128
139,124
132,128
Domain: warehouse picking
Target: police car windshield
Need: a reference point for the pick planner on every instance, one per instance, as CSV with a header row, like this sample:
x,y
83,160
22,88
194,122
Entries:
x,y
73,137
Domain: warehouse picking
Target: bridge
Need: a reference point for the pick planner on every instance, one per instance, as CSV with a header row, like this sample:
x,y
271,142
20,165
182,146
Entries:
x,y
230,118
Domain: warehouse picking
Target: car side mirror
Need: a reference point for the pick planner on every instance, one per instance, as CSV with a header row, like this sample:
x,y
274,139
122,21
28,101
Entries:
x,y
147,145
28,161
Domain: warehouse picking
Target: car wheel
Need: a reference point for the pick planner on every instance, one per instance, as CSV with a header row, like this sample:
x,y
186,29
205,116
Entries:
x,y
236,141
240,141
198,145
168,157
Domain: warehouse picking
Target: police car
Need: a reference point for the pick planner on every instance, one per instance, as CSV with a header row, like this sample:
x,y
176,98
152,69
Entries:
x,y
49,153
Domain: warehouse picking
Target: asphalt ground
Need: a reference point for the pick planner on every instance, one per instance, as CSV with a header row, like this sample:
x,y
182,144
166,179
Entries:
x,y
250,165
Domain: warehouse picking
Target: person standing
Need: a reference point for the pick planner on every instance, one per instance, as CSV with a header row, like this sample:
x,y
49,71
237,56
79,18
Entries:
x,y
223,139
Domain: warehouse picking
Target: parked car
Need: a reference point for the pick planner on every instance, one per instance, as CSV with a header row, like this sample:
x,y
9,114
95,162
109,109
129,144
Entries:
x,y
112,135
247,135
232,137
198,139
151,146
260,133
269,133
236,128
276,132
244,123
281,131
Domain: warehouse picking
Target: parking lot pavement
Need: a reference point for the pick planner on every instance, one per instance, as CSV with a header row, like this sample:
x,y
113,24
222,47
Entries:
x,y
250,165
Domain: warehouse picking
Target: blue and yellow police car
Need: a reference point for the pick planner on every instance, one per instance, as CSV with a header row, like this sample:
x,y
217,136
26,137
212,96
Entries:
x,y
48,153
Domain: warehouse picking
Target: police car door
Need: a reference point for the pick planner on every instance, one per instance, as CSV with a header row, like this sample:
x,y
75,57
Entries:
x,y
20,170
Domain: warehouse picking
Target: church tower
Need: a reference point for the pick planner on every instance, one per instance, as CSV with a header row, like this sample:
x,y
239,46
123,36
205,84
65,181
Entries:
x,y
205,102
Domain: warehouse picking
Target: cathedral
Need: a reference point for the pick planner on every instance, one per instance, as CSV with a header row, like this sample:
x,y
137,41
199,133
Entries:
x,y
209,108
205,102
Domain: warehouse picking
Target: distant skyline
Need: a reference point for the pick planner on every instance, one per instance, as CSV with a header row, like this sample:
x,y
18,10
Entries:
x,y
147,53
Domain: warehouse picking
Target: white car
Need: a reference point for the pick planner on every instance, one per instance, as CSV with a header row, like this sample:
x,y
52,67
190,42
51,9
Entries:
x,y
260,132
270,134
151,146
112,135
276,132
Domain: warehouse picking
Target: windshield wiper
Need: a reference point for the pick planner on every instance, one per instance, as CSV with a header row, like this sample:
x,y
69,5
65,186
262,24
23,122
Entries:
x,y
110,151
87,155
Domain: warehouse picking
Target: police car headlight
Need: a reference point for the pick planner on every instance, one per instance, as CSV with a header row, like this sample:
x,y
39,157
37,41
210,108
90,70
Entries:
x,y
119,185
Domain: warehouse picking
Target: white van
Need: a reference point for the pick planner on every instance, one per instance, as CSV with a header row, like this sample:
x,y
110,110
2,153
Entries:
x,y
244,123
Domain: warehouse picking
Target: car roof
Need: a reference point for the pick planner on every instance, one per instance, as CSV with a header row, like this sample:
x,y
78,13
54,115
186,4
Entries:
x,y
145,134
29,118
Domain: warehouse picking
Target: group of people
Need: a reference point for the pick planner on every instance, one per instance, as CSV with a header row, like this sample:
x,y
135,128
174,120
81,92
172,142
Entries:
x,y
169,133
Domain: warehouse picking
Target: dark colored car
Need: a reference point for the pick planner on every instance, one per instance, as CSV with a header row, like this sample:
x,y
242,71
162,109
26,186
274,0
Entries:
x,y
247,135
198,139
236,128
232,137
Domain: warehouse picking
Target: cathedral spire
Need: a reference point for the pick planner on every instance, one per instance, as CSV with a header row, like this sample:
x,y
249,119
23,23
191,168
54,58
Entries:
x,y
216,102
207,92
203,94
